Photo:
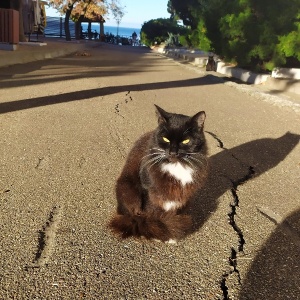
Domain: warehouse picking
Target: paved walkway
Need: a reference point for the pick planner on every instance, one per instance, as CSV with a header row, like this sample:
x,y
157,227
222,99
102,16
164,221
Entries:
x,y
55,47
284,92
67,125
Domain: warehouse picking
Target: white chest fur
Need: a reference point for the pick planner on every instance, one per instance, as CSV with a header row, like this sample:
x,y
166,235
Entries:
x,y
171,205
182,173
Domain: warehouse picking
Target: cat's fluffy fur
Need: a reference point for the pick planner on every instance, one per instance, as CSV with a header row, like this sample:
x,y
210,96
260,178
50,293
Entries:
x,y
211,64
162,172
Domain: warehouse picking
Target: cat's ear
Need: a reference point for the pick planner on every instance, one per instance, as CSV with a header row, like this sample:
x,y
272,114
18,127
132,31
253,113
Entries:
x,y
162,115
199,118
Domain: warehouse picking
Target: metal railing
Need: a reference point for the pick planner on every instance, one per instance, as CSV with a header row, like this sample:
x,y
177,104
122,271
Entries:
x,y
55,27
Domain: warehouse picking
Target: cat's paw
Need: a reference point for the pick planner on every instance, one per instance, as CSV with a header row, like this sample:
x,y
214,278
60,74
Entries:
x,y
171,241
156,240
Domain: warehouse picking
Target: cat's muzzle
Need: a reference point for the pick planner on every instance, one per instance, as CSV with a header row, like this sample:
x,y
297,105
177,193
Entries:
x,y
174,157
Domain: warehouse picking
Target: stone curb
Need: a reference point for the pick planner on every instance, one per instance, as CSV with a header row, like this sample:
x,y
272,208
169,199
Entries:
x,y
285,80
199,58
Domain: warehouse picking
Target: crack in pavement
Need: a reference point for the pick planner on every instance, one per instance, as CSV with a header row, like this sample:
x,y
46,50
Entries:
x,y
47,236
284,224
117,138
114,133
235,204
117,106
221,145
232,261
239,249
130,98
117,110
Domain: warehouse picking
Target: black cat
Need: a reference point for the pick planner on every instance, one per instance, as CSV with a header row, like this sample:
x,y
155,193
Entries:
x,y
163,170
211,64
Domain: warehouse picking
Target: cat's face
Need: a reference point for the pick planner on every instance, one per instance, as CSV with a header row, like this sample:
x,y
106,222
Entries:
x,y
179,137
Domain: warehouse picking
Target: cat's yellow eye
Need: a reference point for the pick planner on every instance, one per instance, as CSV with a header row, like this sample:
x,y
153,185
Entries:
x,y
185,141
166,140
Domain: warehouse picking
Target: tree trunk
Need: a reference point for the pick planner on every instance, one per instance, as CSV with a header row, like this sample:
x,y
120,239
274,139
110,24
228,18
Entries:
x,y
102,35
67,18
90,30
78,32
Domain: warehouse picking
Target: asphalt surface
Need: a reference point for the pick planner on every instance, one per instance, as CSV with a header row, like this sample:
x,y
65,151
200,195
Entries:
x,y
67,125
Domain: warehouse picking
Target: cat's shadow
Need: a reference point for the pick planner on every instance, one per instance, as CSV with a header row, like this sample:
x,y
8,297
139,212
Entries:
x,y
231,167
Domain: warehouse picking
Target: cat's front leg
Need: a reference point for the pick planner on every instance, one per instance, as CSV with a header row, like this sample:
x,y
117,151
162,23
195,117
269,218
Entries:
x,y
129,196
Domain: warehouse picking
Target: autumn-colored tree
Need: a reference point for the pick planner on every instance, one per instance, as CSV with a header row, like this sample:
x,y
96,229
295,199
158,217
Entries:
x,y
74,9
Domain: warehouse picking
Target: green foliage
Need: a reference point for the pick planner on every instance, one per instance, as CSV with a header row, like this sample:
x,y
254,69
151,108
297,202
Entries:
x,y
253,33
187,11
184,41
197,38
159,30
204,41
289,44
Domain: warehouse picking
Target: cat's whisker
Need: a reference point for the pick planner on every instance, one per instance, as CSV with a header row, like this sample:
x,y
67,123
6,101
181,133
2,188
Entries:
x,y
186,159
147,162
202,162
159,159
151,154
154,164
153,160
195,153
158,149
191,153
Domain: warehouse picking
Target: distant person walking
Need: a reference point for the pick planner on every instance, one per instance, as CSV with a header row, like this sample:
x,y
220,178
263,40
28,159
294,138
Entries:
x,y
134,37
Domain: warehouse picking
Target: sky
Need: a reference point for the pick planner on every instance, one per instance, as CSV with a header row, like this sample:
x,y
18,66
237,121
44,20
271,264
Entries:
x,y
136,12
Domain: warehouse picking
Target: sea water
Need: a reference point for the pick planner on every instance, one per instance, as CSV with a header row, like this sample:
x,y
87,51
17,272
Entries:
x,y
55,27
122,31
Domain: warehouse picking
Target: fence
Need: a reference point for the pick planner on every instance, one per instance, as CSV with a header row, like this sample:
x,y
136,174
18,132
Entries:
x,y
55,27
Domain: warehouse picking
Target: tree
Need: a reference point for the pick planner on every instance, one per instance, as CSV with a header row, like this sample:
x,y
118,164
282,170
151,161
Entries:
x,y
159,30
289,44
75,8
256,32
253,33
186,10
117,11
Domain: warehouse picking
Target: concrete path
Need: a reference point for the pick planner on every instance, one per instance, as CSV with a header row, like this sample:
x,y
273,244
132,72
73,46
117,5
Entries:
x,y
67,125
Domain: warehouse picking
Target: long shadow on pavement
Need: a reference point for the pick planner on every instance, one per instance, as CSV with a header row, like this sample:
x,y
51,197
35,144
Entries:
x,y
232,167
275,271
100,92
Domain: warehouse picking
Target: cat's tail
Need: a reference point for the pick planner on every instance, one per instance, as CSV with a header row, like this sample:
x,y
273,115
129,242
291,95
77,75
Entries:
x,y
161,226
